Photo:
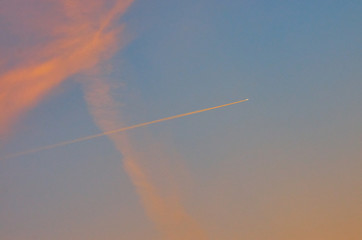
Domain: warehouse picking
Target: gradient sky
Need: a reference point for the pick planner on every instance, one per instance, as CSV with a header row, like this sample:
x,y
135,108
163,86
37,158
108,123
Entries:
x,y
285,165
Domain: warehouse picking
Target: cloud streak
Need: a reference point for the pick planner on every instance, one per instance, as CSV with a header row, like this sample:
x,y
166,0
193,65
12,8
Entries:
x,y
76,37
78,42
168,215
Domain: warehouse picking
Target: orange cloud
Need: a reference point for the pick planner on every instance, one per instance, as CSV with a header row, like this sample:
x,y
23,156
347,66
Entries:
x,y
166,212
77,42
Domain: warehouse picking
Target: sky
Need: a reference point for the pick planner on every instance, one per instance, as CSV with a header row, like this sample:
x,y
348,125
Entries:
x,y
287,164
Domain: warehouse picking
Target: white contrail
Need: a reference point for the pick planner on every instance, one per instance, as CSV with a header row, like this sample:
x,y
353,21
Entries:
x,y
81,139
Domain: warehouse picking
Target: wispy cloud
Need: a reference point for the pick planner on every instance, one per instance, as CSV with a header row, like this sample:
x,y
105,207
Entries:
x,y
81,36
167,213
76,37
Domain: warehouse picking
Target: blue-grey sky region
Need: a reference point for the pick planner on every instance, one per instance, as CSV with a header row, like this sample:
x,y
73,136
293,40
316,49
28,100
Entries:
x,y
287,164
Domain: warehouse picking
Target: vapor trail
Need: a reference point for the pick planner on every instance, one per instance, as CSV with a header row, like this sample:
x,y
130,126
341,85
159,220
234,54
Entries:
x,y
78,43
162,205
116,131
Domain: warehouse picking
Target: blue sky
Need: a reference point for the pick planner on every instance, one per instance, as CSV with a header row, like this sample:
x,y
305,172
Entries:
x,y
286,164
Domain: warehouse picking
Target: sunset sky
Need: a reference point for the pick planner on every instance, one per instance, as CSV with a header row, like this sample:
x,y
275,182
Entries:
x,y
287,164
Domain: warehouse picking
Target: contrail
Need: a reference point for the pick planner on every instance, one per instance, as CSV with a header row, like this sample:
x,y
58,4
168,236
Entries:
x,y
116,131
161,202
